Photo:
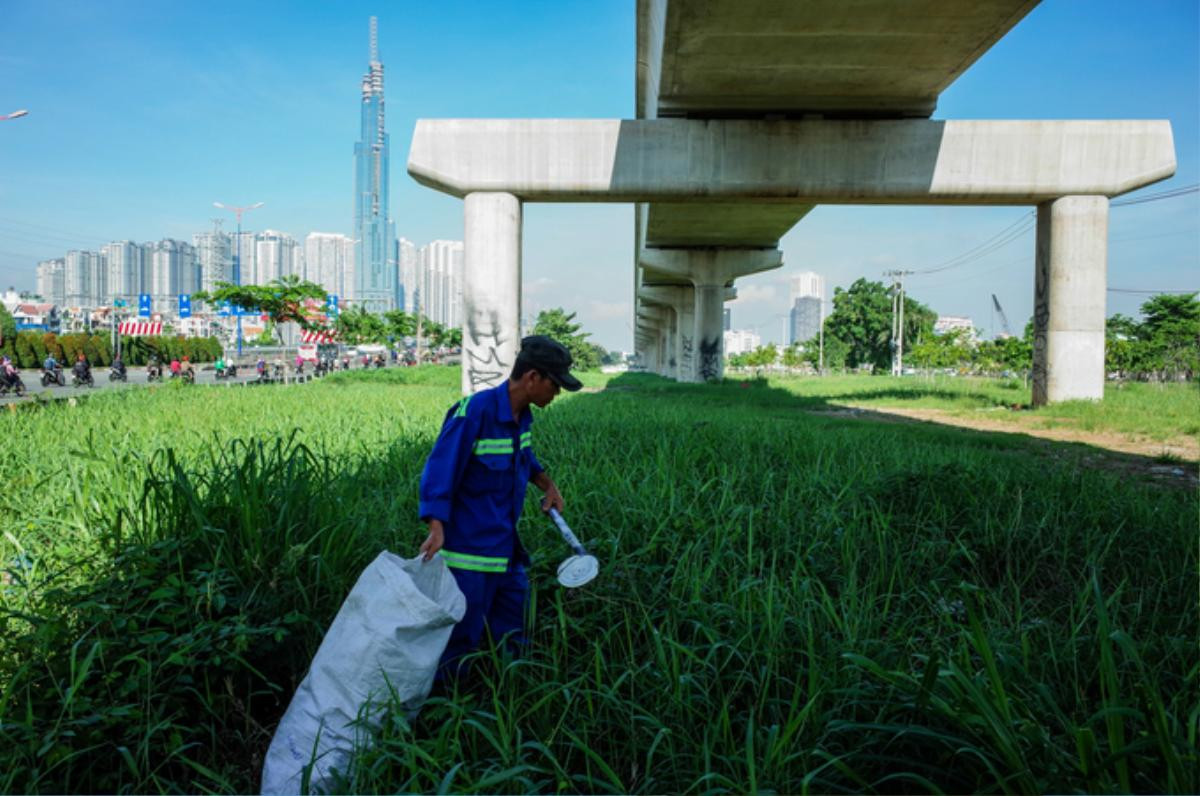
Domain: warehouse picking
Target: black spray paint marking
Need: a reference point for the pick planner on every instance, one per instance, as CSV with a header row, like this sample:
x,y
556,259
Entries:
x,y
710,358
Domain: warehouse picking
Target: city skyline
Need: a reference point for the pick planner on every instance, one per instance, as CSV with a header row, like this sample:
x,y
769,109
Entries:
x,y
110,150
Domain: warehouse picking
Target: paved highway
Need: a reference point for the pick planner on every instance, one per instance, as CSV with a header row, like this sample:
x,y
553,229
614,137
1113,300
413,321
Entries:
x,y
136,378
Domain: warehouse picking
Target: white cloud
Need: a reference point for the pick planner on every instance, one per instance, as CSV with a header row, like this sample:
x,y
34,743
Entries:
x,y
747,293
601,310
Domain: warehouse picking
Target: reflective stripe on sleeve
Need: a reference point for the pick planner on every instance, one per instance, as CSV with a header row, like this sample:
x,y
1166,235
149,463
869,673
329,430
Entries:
x,y
526,439
473,563
462,407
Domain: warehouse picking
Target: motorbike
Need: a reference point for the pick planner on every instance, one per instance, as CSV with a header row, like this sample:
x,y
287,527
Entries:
x,y
11,382
153,373
53,376
78,379
115,374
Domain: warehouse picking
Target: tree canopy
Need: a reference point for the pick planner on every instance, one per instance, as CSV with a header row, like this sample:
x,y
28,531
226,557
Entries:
x,y
281,300
862,319
560,325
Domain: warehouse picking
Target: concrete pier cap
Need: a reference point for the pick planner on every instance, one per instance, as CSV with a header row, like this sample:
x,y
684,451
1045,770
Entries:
x,y
1065,168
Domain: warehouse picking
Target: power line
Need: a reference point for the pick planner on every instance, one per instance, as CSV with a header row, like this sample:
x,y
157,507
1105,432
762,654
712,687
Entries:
x,y
1155,197
1150,292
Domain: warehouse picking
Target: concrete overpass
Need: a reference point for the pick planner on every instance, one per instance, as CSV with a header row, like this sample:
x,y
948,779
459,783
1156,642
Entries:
x,y
749,113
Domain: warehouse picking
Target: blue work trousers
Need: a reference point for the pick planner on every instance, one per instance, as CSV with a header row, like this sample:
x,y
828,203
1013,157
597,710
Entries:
x,y
495,604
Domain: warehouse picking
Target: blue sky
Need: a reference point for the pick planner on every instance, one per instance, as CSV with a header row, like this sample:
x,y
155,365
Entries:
x,y
144,113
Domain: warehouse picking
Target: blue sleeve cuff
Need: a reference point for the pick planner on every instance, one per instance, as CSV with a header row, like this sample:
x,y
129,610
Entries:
x,y
437,509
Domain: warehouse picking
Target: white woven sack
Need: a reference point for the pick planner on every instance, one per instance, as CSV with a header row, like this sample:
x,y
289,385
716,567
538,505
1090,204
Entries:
x,y
388,636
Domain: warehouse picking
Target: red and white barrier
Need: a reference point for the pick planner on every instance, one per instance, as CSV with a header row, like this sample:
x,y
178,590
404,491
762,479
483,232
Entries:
x,y
138,328
316,336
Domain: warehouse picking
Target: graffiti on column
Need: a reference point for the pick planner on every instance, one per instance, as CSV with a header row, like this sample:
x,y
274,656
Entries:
x,y
710,358
685,346
1041,327
485,368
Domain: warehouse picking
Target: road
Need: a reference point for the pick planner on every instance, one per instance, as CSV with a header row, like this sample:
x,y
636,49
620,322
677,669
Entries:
x,y
136,377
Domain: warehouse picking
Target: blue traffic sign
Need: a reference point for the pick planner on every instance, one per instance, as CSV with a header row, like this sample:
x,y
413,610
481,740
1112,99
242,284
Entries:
x,y
226,309
185,305
144,305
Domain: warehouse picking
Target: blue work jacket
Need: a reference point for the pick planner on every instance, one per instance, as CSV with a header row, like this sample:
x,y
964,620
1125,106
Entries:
x,y
475,478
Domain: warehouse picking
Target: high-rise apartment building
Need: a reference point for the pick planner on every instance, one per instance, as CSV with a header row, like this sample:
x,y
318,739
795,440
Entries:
x,y
439,281
375,259
406,256
275,257
328,258
126,271
243,249
85,278
214,254
172,269
51,285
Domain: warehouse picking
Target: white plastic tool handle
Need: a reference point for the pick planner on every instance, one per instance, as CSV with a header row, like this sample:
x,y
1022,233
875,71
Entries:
x,y
567,535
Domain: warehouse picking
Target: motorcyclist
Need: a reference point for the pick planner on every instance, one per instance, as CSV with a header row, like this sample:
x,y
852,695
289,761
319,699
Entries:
x,y
175,367
186,369
261,367
82,368
220,365
118,365
8,372
51,364
153,366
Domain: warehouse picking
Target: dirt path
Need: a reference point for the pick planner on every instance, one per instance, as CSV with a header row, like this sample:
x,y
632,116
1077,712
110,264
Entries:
x,y
1173,461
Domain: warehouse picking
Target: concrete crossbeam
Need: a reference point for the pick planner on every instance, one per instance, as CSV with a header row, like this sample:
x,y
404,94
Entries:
x,y
914,161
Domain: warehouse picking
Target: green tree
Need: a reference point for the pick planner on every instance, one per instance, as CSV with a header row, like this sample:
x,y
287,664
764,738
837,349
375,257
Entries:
x,y
281,300
8,325
949,350
793,356
862,319
560,325
1171,330
356,326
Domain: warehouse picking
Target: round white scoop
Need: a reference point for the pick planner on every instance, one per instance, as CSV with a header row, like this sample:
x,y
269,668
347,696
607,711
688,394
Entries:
x,y
578,570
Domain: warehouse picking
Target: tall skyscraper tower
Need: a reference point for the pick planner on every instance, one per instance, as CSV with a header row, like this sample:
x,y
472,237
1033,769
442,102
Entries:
x,y
375,266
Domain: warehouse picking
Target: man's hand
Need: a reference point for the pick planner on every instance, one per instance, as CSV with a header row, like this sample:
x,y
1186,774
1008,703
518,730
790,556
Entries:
x,y
553,499
433,542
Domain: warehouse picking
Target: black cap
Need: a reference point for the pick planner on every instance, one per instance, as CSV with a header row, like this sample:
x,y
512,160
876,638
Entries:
x,y
551,357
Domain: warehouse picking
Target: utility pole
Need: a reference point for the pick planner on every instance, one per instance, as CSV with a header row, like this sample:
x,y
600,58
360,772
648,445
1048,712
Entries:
x,y
237,258
897,320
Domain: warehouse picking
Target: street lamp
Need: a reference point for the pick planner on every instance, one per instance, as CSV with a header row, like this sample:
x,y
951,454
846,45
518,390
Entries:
x,y
14,115
237,258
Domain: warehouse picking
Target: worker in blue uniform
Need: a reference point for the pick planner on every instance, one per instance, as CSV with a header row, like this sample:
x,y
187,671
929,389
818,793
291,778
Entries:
x,y
473,490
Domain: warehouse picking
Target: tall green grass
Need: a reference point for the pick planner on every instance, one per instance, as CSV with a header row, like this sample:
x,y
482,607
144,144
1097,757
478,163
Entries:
x,y
787,602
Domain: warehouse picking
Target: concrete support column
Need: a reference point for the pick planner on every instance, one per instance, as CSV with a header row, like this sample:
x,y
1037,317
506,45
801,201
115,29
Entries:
x,y
491,288
682,301
710,331
1069,299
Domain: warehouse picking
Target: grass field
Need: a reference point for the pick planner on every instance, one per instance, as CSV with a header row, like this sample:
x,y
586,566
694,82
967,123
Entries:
x,y
787,602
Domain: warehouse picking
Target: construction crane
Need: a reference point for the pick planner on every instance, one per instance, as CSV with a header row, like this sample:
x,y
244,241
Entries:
x,y
1003,317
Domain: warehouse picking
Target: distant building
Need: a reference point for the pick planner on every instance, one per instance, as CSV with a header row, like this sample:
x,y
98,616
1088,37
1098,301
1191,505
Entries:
x,y
806,284
275,256
126,271
51,284
741,341
407,263
328,261
806,313
214,253
172,269
439,281
375,270
950,323
804,319
727,316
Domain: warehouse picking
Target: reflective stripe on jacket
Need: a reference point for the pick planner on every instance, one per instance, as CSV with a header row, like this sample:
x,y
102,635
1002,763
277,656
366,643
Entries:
x,y
475,479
